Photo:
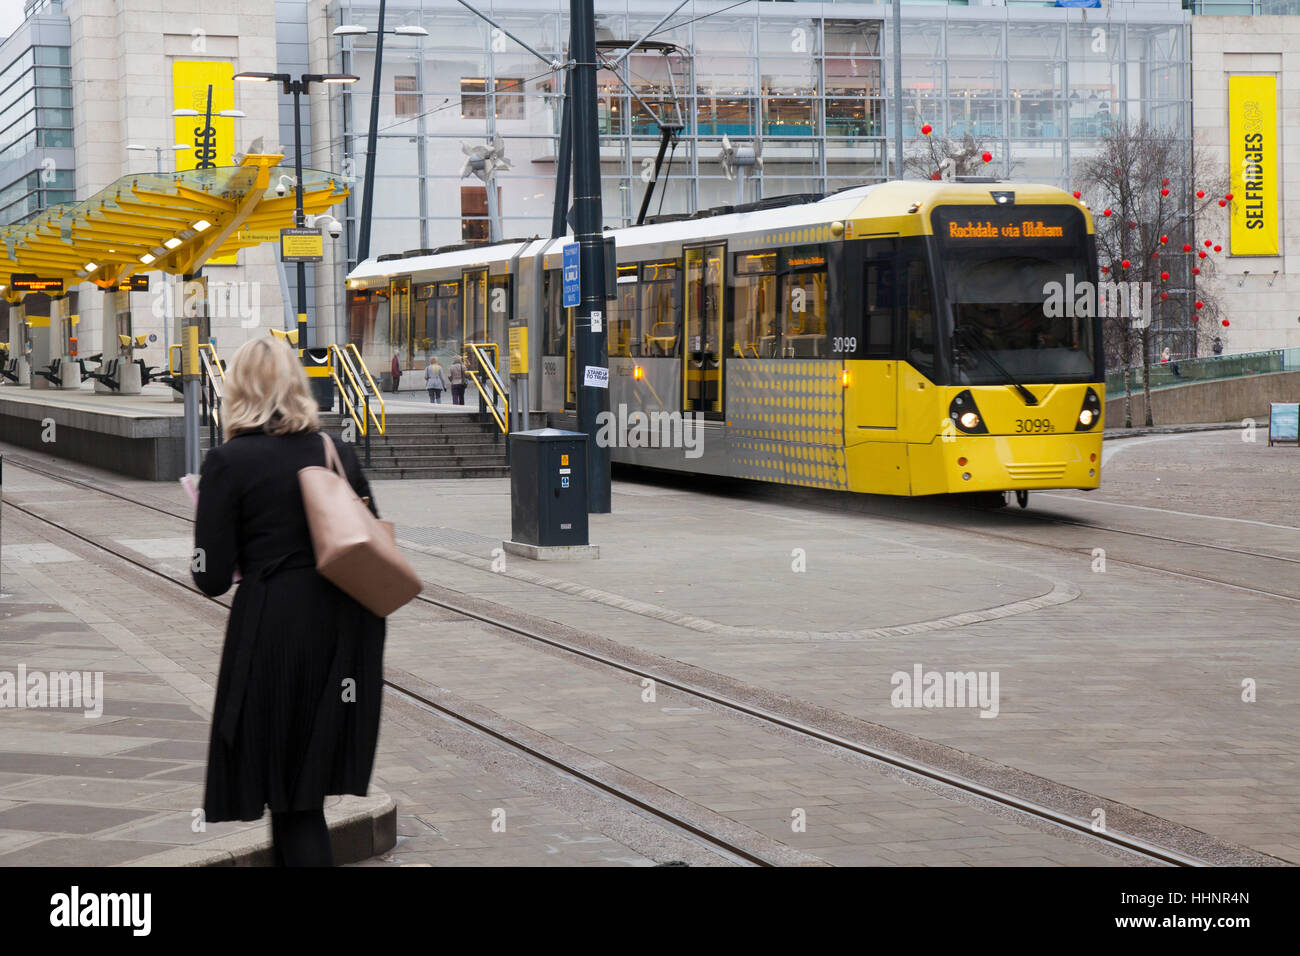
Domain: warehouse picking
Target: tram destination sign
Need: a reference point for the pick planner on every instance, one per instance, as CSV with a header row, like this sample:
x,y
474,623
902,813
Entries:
x,y
30,282
1052,224
136,283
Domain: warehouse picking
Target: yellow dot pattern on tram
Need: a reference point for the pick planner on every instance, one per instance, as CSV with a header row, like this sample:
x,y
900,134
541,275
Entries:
x,y
786,421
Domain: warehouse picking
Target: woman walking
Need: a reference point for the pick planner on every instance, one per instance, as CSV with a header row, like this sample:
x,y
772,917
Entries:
x,y
456,378
296,717
434,381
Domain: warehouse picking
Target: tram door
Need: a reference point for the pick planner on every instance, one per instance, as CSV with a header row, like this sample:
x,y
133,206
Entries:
x,y
706,282
883,300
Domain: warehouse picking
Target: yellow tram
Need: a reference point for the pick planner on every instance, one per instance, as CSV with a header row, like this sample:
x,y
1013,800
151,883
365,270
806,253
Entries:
x,y
905,338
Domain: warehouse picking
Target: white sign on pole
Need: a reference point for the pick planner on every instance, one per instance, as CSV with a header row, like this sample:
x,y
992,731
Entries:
x,y
597,321
595,377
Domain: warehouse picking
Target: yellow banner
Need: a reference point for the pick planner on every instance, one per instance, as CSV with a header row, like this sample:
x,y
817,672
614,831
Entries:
x,y
518,350
213,145
1252,164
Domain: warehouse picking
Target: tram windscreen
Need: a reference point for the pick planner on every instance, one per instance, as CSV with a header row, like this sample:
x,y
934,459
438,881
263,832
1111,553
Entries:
x,y
1006,275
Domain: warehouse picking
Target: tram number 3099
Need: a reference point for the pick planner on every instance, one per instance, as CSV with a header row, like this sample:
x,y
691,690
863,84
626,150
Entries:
x,y
1029,426
843,343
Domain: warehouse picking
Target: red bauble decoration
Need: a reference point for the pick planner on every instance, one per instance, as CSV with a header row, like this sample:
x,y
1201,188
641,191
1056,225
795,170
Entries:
x,y
1164,192
926,129
1164,240
1208,243
1218,248
1200,304
987,157
1105,269
1200,194
1106,211
1163,296
1222,203
1228,197
1125,263
935,175
1196,270
1164,277
1077,194
1164,182
1201,253
1187,247
1225,323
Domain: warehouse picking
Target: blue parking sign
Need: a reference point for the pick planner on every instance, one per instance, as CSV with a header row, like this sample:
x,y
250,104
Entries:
x,y
571,294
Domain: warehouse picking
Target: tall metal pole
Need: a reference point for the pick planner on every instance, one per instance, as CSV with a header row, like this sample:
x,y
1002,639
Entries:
x,y
898,89
368,193
564,156
592,350
299,219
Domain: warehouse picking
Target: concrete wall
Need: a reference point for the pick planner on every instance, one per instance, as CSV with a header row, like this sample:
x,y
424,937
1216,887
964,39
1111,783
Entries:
x,y
1261,306
1226,400
150,448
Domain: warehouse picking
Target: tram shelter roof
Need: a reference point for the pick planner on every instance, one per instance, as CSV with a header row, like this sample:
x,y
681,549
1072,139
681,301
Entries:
x,y
168,222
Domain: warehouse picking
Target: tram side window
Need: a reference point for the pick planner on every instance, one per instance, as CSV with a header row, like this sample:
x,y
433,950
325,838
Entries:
x,y
624,327
803,303
920,318
661,309
556,329
879,301
754,323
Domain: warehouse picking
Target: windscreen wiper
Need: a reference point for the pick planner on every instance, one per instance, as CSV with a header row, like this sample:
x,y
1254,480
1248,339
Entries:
x,y
962,331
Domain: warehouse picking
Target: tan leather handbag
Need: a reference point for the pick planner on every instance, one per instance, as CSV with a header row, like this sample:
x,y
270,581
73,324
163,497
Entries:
x,y
354,550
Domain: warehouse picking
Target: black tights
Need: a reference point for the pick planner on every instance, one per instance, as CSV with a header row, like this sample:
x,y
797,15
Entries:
x,y
300,838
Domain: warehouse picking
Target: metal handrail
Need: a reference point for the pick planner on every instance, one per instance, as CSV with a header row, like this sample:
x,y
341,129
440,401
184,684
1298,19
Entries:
x,y
477,350
352,401
353,358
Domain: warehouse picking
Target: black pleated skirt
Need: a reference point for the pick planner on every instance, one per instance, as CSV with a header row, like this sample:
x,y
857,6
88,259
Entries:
x,y
305,697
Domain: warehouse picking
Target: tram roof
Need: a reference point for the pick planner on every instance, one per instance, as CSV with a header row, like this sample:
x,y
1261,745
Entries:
x,y
181,219
876,200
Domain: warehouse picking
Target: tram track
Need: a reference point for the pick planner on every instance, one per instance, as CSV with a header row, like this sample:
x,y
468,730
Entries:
x,y
1080,828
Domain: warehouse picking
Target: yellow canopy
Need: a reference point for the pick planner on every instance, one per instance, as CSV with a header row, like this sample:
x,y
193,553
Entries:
x,y
169,222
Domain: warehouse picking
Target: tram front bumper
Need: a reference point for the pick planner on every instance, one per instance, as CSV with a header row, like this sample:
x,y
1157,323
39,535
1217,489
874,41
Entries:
x,y
1006,463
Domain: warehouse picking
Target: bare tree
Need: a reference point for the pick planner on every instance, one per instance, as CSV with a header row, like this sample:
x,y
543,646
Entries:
x,y
1155,199
933,156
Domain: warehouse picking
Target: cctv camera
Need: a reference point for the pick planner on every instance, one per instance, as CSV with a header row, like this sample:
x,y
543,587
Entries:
x,y
280,189
335,228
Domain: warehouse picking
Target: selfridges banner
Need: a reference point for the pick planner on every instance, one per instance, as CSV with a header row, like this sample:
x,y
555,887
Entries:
x,y
213,143
1252,164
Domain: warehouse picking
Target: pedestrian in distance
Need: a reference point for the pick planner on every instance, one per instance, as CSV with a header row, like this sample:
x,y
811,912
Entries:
x,y
434,381
1218,346
296,716
456,379
397,372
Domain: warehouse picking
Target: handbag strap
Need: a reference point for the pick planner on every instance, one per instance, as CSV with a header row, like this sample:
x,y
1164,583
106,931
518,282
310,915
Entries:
x,y
332,457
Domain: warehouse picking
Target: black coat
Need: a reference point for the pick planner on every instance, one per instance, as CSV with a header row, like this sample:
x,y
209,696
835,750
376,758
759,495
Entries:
x,y
296,716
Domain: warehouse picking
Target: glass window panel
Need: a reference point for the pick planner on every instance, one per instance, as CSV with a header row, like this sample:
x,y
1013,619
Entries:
x,y
661,309
725,36
922,37
705,278
855,77
803,326
1034,39
855,117
975,39
789,116
788,36
852,38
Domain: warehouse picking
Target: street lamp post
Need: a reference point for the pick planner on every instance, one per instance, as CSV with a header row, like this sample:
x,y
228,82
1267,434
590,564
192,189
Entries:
x,y
298,88
372,135
176,147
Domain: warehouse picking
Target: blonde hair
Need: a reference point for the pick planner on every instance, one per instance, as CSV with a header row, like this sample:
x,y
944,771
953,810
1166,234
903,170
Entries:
x,y
266,388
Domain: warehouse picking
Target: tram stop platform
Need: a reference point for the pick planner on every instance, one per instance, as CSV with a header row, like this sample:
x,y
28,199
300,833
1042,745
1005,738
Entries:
x,y
139,436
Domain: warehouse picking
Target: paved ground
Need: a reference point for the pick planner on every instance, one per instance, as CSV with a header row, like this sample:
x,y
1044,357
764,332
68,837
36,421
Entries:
x,y
1124,684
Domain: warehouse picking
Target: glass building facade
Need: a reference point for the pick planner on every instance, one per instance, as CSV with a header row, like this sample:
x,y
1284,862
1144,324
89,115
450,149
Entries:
x,y
810,84
36,162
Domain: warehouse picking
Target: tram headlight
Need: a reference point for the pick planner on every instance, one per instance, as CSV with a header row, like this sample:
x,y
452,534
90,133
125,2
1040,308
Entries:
x,y
966,415
1090,414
